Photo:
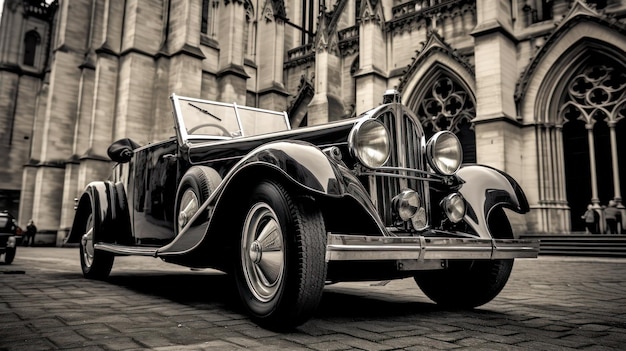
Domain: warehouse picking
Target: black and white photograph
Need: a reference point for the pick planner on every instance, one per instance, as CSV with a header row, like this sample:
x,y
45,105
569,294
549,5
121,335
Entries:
x,y
312,175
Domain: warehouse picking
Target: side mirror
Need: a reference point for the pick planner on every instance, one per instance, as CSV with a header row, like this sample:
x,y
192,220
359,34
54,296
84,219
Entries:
x,y
121,151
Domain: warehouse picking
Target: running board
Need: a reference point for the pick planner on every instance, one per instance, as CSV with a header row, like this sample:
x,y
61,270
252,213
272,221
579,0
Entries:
x,y
367,248
127,250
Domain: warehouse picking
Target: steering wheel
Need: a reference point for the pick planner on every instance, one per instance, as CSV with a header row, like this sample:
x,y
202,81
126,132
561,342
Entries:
x,y
224,131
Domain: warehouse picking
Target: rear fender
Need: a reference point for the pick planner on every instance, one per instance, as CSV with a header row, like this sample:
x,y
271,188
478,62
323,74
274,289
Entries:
x,y
485,189
107,201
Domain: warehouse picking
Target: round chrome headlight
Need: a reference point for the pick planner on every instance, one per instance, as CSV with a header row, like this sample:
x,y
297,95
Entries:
x,y
454,206
369,143
444,153
407,203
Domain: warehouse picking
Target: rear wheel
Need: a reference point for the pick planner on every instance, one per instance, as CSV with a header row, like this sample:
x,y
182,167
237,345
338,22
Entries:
x,y
281,269
96,264
195,188
9,255
469,283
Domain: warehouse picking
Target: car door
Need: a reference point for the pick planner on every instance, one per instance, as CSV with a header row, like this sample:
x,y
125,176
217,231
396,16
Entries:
x,y
154,193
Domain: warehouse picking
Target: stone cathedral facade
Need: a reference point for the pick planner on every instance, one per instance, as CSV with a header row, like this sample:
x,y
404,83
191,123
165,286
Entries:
x,y
534,87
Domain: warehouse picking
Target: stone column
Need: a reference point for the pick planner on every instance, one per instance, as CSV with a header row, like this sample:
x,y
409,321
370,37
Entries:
x,y
27,195
69,194
53,143
496,74
185,40
231,76
179,63
318,107
615,164
82,134
499,137
141,41
371,77
271,52
595,200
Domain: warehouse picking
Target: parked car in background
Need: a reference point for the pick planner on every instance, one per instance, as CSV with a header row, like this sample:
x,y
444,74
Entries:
x,y
288,211
10,236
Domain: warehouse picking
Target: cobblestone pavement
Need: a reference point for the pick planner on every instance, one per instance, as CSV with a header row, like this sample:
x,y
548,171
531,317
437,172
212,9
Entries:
x,y
551,303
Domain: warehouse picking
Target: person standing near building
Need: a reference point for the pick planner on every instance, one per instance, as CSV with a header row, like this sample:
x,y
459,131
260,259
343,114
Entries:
x,y
591,219
31,230
612,214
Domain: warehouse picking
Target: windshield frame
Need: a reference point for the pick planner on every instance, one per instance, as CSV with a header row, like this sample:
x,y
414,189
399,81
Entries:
x,y
237,111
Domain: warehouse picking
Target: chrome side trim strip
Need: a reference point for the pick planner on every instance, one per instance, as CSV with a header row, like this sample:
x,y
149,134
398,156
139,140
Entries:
x,y
360,247
127,250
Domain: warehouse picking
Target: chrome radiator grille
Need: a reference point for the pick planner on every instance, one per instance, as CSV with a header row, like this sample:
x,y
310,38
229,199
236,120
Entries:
x,y
406,140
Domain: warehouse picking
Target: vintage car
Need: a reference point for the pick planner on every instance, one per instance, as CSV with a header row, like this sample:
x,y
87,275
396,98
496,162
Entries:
x,y
10,236
287,211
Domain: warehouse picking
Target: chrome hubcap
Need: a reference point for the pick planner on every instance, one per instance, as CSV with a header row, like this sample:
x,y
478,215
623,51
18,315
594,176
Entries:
x,y
188,207
256,252
262,252
87,242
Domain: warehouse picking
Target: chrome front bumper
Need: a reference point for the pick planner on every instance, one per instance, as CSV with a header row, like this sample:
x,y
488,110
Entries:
x,y
366,248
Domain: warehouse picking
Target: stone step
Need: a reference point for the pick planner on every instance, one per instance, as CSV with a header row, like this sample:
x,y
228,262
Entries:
x,y
598,245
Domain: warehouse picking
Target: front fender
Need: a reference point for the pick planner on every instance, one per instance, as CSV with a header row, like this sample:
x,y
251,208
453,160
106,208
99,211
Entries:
x,y
308,167
484,189
107,202
301,164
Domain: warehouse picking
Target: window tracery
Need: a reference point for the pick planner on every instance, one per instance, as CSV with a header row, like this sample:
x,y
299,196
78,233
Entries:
x,y
594,103
249,32
445,106
596,94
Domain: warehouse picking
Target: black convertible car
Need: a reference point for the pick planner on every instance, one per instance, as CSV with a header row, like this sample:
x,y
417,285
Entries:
x,y
288,211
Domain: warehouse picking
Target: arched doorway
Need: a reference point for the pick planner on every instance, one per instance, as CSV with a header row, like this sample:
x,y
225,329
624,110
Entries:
x,y
592,108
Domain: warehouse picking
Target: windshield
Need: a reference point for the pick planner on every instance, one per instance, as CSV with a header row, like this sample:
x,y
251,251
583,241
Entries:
x,y
203,119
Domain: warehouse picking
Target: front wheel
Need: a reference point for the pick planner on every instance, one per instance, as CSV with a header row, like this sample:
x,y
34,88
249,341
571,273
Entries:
x,y
281,268
465,284
95,264
469,283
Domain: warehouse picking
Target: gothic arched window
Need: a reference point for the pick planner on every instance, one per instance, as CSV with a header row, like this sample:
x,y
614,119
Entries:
x,y
31,41
447,106
204,25
592,111
209,17
249,32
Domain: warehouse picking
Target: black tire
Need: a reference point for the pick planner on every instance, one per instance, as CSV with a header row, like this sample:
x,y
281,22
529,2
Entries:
x,y
195,188
281,268
95,264
466,284
9,255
